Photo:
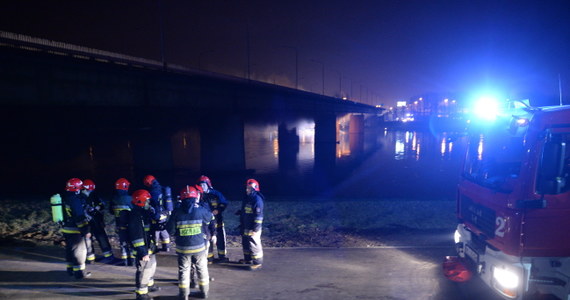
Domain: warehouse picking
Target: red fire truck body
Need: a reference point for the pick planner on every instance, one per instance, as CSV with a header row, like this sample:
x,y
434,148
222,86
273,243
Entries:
x,y
513,206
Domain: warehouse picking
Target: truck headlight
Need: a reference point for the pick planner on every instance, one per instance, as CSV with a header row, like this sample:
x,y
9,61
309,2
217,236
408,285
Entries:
x,y
506,281
457,236
506,278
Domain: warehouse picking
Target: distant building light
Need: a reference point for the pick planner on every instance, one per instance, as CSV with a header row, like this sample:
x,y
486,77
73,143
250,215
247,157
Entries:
x,y
344,98
401,103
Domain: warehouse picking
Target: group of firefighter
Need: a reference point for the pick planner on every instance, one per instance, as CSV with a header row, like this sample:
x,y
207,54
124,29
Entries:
x,y
144,222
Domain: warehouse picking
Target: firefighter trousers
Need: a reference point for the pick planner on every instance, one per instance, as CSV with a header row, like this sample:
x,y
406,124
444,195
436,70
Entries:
x,y
162,240
220,241
186,264
124,243
75,251
145,274
252,249
97,225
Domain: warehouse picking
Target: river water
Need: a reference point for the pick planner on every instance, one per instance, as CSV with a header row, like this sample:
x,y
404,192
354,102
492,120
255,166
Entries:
x,y
363,161
386,164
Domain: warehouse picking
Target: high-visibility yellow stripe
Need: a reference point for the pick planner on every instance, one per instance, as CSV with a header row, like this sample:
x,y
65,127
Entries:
x,y
191,251
188,225
70,231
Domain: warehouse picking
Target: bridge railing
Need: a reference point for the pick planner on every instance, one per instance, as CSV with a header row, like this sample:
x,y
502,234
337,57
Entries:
x,y
54,47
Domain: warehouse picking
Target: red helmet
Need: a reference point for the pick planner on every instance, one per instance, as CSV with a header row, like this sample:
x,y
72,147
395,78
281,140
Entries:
x,y
140,197
254,184
122,184
89,185
148,179
188,192
206,180
199,189
73,185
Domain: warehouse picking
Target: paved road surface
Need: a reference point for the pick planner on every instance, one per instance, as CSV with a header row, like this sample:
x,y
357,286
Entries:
x,y
393,272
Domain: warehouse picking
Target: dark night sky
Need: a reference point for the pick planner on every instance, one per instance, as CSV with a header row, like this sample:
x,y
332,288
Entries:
x,y
385,50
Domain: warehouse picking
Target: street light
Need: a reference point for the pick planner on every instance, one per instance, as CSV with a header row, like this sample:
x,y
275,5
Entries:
x,y
339,83
161,24
323,72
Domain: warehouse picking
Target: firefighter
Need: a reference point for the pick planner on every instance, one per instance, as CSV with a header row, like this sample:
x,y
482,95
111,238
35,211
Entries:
x,y
162,207
121,208
251,220
142,238
94,207
188,224
217,203
75,229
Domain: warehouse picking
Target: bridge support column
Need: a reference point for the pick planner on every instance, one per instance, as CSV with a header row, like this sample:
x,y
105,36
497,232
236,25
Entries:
x,y
325,149
356,134
222,145
152,153
288,147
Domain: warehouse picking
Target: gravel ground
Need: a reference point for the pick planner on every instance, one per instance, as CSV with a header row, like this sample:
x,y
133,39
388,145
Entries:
x,y
287,223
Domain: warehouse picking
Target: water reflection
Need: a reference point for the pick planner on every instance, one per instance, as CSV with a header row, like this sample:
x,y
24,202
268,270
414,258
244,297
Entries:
x,y
270,148
410,144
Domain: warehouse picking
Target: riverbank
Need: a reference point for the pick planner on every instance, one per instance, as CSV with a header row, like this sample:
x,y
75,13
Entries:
x,y
302,223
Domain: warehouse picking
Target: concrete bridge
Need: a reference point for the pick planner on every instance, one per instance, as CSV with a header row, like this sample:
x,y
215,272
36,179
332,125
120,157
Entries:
x,y
56,95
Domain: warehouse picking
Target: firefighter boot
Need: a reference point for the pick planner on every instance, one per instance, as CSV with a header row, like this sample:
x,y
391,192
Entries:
x,y
70,271
204,291
154,288
183,294
222,259
165,247
144,297
130,262
81,274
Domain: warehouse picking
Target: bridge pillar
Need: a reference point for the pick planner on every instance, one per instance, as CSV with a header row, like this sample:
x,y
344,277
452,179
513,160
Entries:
x,y
325,149
152,153
222,144
356,134
288,140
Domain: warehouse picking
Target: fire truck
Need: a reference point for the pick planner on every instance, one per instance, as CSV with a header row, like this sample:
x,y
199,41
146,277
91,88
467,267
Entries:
x,y
513,205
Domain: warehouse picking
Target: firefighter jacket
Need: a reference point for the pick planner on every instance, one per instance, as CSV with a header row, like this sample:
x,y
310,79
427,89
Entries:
x,y
141,235
121,207
210,229
94,205
251,214
188,223
156,202
74,219
215,200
